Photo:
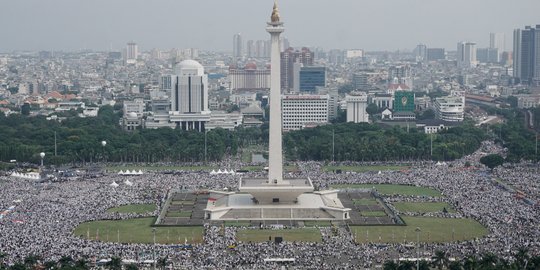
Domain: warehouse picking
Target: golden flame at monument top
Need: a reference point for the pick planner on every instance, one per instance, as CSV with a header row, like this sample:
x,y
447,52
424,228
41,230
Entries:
x,y
275,13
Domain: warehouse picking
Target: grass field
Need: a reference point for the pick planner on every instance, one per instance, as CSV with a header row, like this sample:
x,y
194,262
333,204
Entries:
x,y
133,208
287,168
373,213
137,231
431,230
423,207
161,168
365,202
237,223
369,168
304,235
389,189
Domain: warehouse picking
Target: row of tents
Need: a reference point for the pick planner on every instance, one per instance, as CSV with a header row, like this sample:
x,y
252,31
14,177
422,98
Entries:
x,y
127,183
128,172
31,175
219,171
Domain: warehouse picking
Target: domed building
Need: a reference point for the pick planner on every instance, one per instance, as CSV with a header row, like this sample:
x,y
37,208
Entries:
x,y
249,78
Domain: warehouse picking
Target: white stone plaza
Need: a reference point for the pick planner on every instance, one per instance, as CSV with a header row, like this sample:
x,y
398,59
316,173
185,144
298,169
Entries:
x,y
275,198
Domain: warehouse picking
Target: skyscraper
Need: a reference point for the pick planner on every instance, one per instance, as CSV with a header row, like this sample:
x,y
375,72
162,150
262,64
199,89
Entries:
x,y
288,58
497,41
466,54
237,46
311,77
132,53
527,55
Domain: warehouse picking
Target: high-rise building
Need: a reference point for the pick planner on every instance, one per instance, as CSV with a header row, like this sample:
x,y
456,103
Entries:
x,y
250,49
250,77
356,108
311,78
237,46
434,54
300,111
132,53
288,58
190,88
527,55
450,108
487,55
466,54
497,41
420,52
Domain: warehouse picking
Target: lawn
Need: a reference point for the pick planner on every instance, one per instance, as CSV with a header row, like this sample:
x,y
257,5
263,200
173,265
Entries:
x,y
237,223
373,213
289,235
423,207
137,230
161,168
183,202
133,208
431,230
390,189
368,168
365,202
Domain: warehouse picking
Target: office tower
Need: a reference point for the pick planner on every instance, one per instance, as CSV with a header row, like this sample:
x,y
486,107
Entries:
x,y
420,52
434,54
466,54
250,77
356,108
237,46
260,48
190,88
487,55
497,41
311,78
284,43
250,49
288,58
132,53
300,111
527,55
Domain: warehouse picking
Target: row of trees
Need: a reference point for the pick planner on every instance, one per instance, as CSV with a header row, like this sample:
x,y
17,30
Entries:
x,y
79,140
489,261
365,142
31,262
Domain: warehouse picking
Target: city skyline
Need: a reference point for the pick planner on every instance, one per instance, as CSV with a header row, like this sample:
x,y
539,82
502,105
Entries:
x,y
100,25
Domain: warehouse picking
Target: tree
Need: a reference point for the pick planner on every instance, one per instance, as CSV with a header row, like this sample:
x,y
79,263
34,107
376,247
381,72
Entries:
x,y
114,264
406,265
470,263
513,101
82,264
66,262
488,261
521,258
439,260
390,265
25,109
131,266
372,110
455,265
162,262
492,161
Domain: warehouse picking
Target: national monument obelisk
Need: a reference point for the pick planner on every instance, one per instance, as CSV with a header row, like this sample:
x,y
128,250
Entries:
x,y
275,153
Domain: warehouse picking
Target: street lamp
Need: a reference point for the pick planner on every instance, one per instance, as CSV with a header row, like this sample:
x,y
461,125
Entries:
x,y
417,248
103,143
154,249
42,155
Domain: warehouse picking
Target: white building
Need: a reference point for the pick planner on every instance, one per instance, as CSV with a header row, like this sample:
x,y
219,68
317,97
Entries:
x,y
299,110
356,108
136,106
497,41
249,78
450,108
132,53
466,54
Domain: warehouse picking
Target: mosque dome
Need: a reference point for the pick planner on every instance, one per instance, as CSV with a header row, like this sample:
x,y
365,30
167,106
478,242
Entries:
x,y
251,65
190,68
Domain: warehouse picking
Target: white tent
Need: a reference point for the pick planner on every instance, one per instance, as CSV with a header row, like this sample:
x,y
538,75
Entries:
x,y
219,171
128,183
213,172
114,184
121,172
380,172
438,163
128,261
139,172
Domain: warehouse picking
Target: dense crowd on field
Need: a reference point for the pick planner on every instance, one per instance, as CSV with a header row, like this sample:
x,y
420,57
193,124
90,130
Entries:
x,y
42,216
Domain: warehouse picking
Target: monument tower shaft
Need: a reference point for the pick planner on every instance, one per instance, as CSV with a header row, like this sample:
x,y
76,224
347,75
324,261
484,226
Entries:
x,y
275,153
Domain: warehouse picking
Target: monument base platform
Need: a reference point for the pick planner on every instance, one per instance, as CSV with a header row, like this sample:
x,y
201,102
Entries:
x,y
319,205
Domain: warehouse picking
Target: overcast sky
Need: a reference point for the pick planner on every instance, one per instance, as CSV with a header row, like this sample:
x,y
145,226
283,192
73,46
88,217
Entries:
x,y
210,24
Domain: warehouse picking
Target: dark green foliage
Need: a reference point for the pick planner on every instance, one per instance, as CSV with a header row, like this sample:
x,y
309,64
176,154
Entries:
x,y
365,142
492,161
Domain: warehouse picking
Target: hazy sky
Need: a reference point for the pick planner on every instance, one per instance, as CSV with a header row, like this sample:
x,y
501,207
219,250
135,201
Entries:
x,y
210,24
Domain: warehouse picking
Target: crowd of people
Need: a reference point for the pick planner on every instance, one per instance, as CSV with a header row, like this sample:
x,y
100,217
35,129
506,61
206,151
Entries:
x,y
44,216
